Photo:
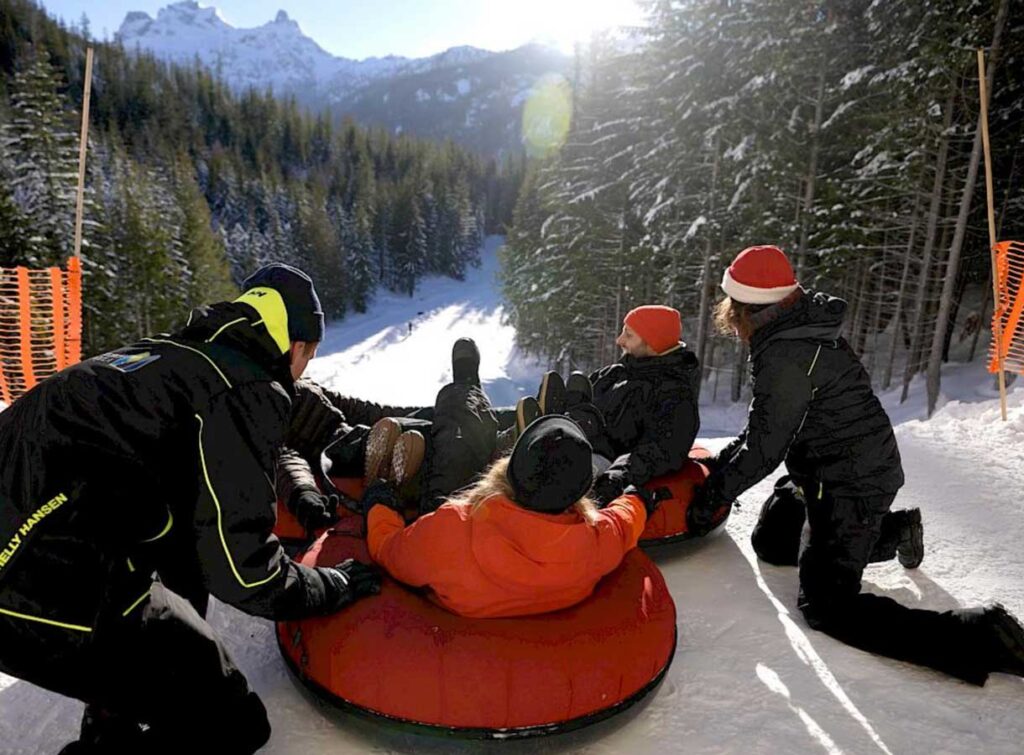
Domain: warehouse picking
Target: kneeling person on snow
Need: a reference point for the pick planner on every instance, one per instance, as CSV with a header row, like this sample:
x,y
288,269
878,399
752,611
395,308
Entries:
x,y
159,457
522,540
813,407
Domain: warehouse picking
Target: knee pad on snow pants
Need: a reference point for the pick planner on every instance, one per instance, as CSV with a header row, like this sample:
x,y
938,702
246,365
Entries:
x,y
776,536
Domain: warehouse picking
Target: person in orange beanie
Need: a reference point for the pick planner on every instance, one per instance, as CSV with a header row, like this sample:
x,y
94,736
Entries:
x,y
523,540
640,413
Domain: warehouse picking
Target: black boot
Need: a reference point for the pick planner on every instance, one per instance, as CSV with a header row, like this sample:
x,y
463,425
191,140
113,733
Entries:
x,y
910,549
1006,640
465,362
578,390
527,410
551,395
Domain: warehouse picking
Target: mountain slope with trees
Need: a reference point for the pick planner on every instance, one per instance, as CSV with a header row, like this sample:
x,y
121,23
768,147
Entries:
x,y
191,187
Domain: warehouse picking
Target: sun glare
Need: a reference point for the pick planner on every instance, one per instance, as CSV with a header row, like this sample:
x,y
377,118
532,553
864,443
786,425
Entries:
x,y
567,22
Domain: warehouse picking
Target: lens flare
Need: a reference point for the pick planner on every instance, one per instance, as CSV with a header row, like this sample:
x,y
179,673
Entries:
x,y
546,115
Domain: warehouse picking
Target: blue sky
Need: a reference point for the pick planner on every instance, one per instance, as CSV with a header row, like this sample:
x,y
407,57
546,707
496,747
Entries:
x,y
364,28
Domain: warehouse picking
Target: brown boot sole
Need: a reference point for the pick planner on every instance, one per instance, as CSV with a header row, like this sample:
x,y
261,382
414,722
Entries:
x,y
379,448
407,457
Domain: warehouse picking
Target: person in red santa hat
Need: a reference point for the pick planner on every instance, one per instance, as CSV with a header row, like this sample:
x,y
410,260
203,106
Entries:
x,y
813,407
640,414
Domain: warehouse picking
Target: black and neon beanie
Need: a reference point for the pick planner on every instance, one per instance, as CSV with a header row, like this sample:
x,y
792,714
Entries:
x,y
305,317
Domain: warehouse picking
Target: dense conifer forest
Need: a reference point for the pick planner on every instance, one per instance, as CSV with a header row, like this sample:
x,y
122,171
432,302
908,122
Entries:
x,y
844,131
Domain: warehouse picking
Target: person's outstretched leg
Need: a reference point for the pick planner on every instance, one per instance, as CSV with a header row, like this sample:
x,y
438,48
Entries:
x,y
839,538
463,438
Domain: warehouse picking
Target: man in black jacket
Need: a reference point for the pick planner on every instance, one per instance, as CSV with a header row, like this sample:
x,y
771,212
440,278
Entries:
x,y
813,407
159,458
646,415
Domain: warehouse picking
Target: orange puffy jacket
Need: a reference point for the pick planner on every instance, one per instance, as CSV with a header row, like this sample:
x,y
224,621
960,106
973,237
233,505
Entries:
x,y
504,560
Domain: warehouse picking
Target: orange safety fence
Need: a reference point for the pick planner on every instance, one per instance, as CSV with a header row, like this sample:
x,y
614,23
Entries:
x,y
1008,317
40,325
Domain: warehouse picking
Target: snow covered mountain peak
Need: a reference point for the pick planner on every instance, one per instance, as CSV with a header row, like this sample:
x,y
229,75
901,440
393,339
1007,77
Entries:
x,y
466,93
189,12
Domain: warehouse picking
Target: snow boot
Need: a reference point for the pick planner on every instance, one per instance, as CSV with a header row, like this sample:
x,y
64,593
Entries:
x,y
465,362
527,410
910,549
380,446
578,390
551,395
1006,640
407,457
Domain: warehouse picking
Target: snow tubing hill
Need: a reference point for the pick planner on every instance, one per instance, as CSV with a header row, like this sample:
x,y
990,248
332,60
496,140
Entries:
x,y
401,658
668,525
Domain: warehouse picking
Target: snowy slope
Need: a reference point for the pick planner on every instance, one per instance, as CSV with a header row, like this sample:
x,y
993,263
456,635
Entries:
x,y
748,677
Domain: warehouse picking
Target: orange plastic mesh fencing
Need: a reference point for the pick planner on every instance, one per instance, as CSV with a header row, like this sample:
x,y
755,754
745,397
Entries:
x,y
1008,317
40,325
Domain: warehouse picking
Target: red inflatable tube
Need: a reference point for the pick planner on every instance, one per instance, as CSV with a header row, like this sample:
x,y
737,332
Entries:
x,y
288,528
667,525
401,658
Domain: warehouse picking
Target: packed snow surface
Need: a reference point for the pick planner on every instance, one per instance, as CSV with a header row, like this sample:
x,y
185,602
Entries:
x,y
748,676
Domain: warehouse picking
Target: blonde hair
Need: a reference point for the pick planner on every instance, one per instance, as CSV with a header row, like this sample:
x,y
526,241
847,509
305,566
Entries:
x,y
494,482
732,318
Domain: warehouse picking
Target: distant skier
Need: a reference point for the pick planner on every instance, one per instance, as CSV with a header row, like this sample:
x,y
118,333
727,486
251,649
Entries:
x,y
813,407
158,457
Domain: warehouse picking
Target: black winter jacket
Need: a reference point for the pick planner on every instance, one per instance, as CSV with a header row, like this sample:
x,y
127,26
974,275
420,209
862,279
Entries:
x,y
813,408
157,454
650,411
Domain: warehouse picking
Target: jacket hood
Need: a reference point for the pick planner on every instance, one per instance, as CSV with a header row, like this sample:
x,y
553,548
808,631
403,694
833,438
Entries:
x,y
679,362
529,552
239,327
811,316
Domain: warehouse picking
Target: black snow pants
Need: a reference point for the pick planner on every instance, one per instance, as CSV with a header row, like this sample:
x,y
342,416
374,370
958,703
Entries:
x,y
161,665
776,536
463,442
838,541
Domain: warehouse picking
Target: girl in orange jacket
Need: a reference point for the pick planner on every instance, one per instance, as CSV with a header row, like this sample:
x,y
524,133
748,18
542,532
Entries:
x,y
522,540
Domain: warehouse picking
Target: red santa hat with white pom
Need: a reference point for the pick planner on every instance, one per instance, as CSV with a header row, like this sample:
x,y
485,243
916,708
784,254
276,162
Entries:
x,y
760,275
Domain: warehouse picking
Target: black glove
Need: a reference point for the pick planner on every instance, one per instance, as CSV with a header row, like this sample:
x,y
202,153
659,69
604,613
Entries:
x,y
608,486
382,492
314,510
651,498
706,511
348,582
